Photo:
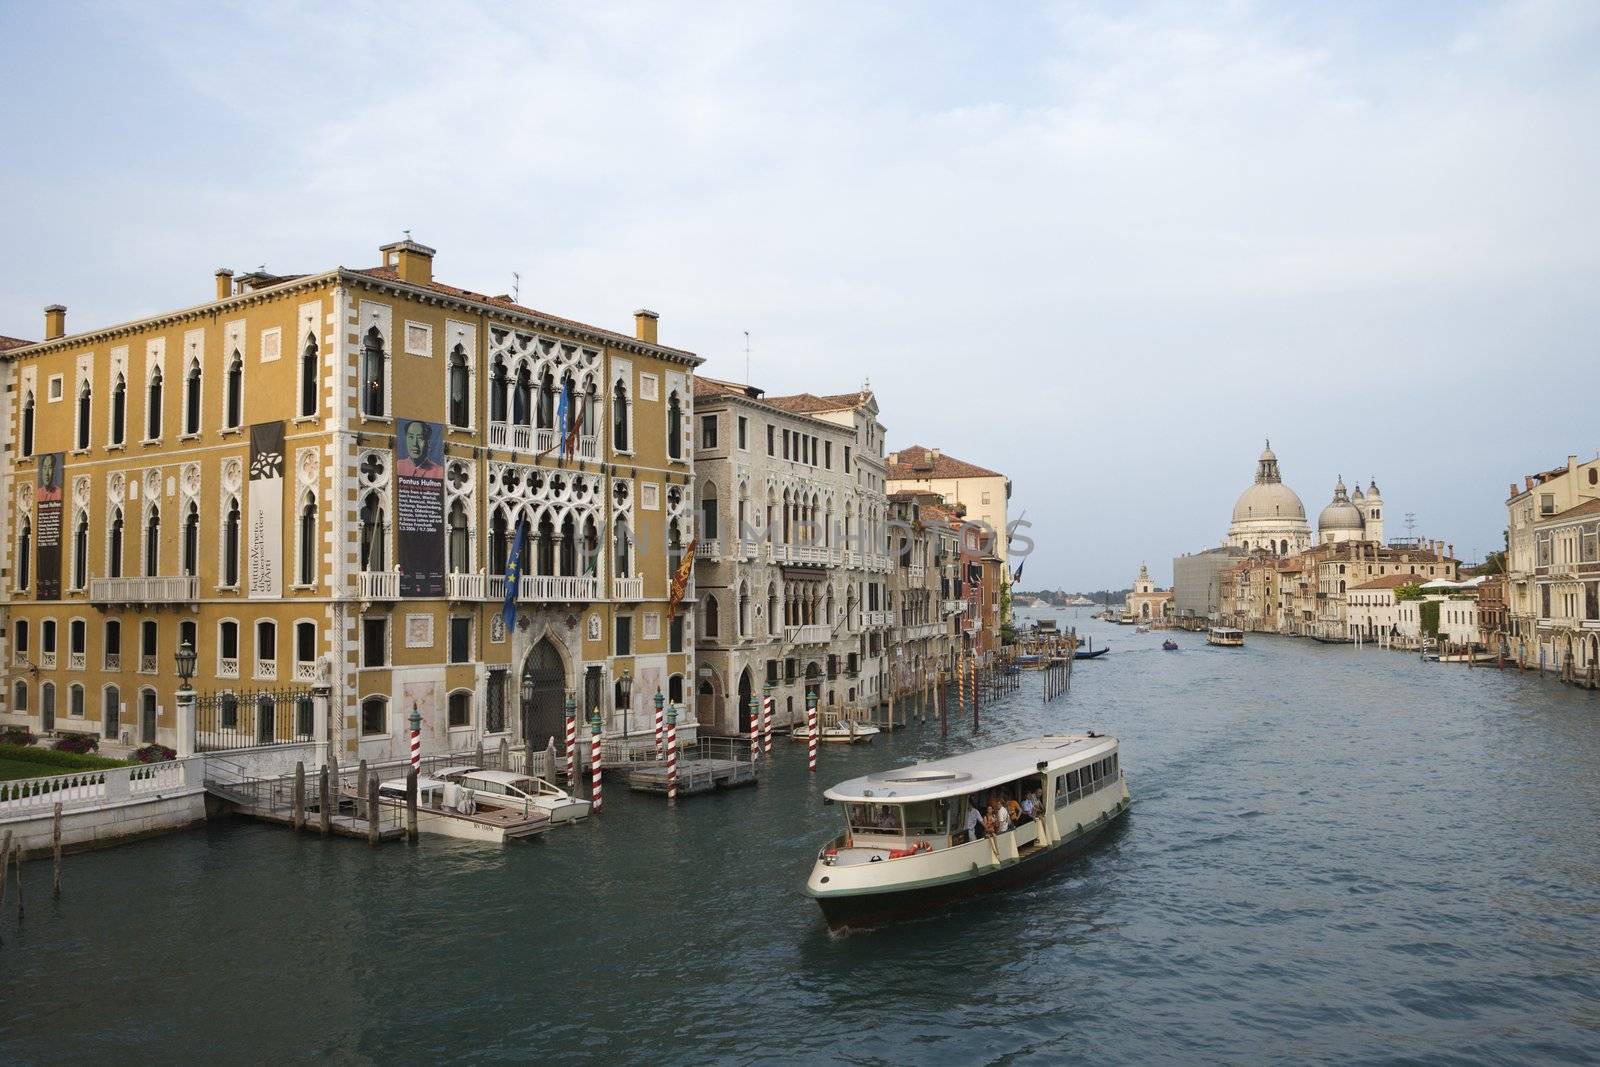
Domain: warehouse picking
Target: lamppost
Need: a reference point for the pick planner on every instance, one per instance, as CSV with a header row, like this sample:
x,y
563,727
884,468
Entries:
x,y
625,691
527,703
185,658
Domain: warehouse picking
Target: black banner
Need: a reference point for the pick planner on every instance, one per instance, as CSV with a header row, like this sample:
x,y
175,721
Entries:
x,y
266,510
419,508
47,527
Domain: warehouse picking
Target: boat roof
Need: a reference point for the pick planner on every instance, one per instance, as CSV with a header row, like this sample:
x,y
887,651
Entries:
x,y
502,777
1226,630
399,784
971,772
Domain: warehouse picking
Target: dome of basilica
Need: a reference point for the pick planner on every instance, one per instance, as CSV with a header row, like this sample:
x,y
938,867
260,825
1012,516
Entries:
x,y
1340,514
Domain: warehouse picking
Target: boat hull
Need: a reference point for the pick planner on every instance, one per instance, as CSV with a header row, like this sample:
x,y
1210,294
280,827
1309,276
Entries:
x,y
864,910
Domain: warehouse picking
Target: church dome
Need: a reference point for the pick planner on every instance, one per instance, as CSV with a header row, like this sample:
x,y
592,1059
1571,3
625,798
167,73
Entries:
x,y
1268,498
1340,514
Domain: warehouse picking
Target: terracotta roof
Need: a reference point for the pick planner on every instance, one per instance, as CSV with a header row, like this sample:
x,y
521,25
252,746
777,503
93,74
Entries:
x,y
704,386
389,274
915,463
1389,581
7,343
810,403
1588,507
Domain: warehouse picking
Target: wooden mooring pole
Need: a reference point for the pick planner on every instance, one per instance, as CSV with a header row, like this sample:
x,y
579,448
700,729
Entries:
x,y
325,804
411,806
19,882
55,849
5,869
361,790
941,706
372,810
299,795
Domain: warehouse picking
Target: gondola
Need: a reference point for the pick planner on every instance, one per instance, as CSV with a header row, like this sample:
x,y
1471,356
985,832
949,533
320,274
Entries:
x,y
1086,654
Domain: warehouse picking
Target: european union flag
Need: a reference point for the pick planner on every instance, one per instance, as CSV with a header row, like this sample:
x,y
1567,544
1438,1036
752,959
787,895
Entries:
x,y
561,415
513,573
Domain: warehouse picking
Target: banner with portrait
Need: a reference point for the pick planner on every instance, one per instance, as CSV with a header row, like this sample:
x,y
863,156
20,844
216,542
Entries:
x,y
47,525
419,507
266,510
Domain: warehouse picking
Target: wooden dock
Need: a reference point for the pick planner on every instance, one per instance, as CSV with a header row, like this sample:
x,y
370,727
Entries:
x,y
709,764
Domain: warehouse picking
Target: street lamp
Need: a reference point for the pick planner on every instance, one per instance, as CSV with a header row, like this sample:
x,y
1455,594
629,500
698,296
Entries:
x,y
625,691
185,657
527,702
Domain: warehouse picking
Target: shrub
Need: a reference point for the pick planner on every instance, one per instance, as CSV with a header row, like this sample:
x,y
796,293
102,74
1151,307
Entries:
x,y
155,754
58,762
82,744
16,735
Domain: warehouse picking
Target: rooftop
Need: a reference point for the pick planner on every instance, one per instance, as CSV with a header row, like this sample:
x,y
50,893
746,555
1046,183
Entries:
x,y
1388,581
12,342
811,404
916,463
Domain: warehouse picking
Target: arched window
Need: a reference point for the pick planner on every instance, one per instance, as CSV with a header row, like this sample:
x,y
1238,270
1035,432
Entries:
x,y
624,554
20,697
547,401
305,642
744,609
75,700
119,410
374,715
591,547
522,398
152,414
266,641
619,418
308,376
113,645
372,373
569,546
460,390
84,395
591,410
266,719
710,624
774,623
47,705
497,391
80,552
152,542
461,708
499,543
230,545
372,534
148,713
191,399
308,542
460,544
675,427
545,547
228,648
708,513
114,545
27,424
191,540
24,552
234,407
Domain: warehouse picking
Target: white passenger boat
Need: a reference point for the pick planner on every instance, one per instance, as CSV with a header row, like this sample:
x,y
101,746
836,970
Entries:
x,y
907,846
522,792
1225,636
447,809
848,732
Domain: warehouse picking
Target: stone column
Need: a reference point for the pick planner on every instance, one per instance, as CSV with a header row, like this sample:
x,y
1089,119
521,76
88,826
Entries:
x,y
186,724
321,699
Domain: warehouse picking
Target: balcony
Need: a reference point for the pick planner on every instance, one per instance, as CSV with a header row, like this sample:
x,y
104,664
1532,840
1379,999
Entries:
x,y
305,672
815,554
465,586
228,667
748,549
77,661
532,441
553,588
267,670
378,585
47,660
917,570
176,589
711,551
875,619
954,607
627,588
812,634
113,662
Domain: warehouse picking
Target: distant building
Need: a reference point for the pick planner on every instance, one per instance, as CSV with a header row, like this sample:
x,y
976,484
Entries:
x,y
1145,601
1553,569
984,493
1269,516
1197,581
1352,518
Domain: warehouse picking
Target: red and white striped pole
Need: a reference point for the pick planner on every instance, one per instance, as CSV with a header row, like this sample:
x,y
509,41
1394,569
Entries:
x,y
416,739
572,742
766,722
659,699
811,727
755,730
672,753
594,764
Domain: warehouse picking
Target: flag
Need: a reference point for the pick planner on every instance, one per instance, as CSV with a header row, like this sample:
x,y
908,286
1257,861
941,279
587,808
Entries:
x,y
561,415
680,581
1018,576
570,447
513,573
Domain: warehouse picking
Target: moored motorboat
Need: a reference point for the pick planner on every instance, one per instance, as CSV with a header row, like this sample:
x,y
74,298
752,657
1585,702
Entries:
x,y
447,809
845,732
910,845
519,791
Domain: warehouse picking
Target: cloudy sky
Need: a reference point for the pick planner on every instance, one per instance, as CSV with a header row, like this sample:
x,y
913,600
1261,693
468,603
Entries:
x,y
1107,250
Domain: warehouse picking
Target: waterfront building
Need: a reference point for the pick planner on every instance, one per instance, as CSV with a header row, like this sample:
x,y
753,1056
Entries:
x,y
1308,594
1197,581
1268,515
318,481
1352,518
1553,569
925,542
1373,609
792,566
1144,601
982,493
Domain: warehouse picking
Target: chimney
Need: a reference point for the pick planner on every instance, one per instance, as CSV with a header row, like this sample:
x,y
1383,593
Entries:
x,y
412,261
933,455
644,325
55,322
1527,482
224,283
894,458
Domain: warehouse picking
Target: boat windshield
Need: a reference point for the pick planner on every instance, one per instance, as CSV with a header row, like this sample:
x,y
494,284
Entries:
x,y
918,819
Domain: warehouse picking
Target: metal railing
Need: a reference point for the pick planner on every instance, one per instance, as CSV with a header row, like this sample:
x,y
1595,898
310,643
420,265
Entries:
x,y
251,719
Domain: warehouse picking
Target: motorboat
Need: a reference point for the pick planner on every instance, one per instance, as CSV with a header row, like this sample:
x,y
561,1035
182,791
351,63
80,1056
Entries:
x,y
449,810
1169,645
524,792
909,843
1225,637
844,732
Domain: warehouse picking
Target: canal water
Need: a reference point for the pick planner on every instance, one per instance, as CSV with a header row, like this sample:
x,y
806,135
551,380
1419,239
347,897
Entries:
x,y
1334,855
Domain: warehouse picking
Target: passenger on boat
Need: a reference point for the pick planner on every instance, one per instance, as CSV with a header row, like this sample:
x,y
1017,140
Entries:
x,y
1030,805
1013,811
974,821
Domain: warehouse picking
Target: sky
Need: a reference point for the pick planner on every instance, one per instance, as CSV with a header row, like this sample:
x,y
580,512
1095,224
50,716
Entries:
x,y
1106,249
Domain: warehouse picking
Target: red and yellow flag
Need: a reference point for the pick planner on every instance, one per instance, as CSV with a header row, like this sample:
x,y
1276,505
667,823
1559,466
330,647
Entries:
x,y
680,580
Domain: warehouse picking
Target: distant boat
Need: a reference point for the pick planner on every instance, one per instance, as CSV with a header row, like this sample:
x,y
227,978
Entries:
x,y
1087,654
1169,645
1225,636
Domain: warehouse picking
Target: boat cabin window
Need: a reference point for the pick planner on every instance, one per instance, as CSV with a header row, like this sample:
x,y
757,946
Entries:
x,y
876,819
1075,785
927,817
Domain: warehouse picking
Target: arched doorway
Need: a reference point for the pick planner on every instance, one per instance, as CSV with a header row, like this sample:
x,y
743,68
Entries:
x,y
745,687
147,717
813,681
544,707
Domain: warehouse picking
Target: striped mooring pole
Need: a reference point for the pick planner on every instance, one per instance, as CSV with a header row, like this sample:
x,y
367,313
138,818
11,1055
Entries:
x,y
659,729
594,764
572,741
755,730
766,720
416,738
811,727
672,753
